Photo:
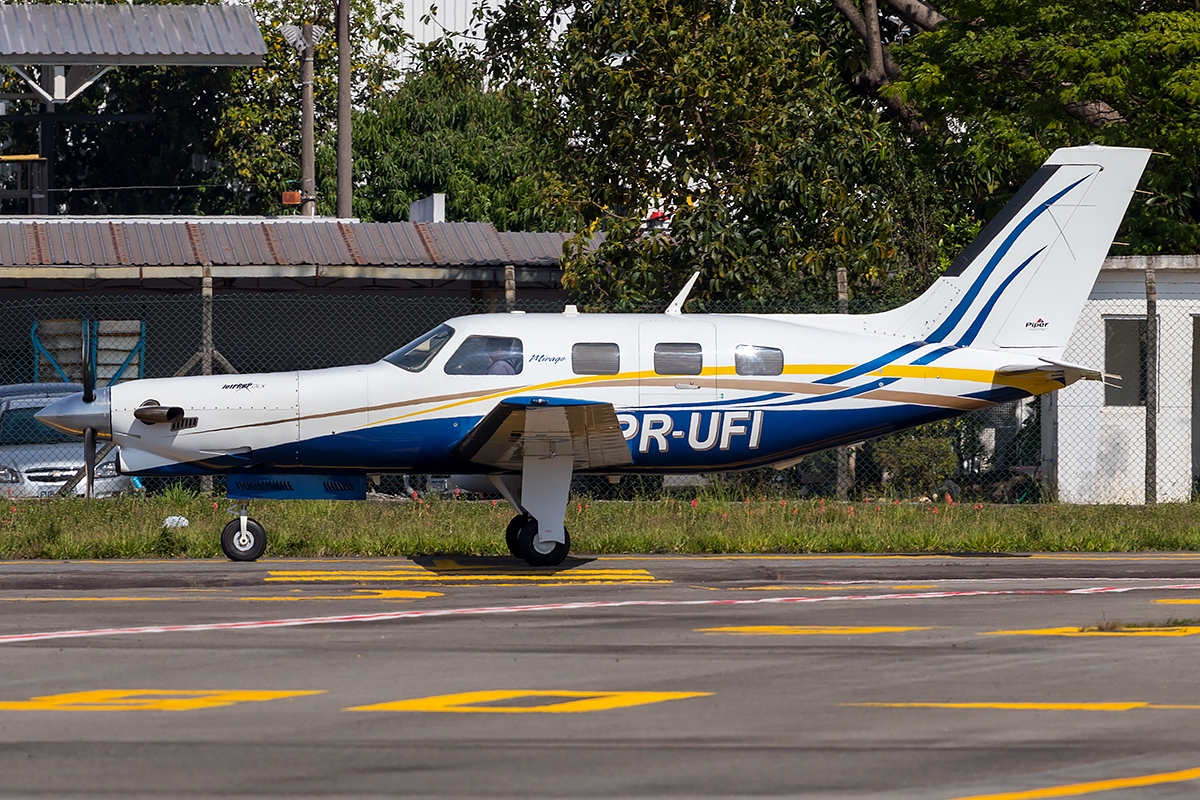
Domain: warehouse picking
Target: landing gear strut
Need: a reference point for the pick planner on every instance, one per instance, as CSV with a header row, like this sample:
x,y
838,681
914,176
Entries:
x,y
243,539
524,543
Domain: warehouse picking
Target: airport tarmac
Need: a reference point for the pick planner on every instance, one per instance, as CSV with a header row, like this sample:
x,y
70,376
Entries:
x,y
842,676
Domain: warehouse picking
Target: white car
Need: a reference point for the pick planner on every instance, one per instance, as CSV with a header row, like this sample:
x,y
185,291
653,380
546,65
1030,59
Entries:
x,y
36,460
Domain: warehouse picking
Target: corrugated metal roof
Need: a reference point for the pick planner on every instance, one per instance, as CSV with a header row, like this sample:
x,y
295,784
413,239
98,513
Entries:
x,y
196,35
534,247
269,242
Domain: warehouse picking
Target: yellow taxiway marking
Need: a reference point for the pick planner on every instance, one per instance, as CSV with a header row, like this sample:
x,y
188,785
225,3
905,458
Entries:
x,y
359,594
808,630
1078,789
1180,631
143,700
1180,601
451,572
564,702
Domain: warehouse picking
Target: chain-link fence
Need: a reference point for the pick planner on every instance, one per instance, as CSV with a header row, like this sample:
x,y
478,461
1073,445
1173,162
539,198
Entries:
x,y
1009,453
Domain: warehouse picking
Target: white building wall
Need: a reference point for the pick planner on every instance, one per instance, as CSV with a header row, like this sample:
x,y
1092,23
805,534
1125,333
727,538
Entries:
x,y
1101,449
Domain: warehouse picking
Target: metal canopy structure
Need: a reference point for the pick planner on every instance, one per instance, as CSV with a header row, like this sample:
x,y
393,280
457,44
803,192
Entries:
x,y
299,250
73,45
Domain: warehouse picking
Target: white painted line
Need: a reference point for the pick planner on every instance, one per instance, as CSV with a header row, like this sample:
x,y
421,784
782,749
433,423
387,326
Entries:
x,y
594,604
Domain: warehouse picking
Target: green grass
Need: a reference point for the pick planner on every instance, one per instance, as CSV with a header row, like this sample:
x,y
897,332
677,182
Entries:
x,y
132,527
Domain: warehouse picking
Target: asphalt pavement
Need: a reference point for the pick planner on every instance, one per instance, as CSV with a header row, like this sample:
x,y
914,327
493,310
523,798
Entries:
x,y
842,676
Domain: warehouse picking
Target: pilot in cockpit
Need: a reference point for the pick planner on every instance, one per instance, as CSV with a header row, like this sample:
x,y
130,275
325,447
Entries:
x,y
498,355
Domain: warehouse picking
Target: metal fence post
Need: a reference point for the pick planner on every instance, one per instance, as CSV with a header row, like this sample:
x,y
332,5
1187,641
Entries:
x,y
1151,389
206,345
845,455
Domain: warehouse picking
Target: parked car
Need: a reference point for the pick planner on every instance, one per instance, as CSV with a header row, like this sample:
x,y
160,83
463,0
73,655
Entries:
x,y
35,460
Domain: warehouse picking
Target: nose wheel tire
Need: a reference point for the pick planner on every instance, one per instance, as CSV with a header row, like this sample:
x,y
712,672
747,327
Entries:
x,y
536,553
248,546
511,533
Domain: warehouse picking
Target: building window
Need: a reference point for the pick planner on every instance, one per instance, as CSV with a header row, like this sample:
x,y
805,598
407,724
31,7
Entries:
x,y
1125,355
750,359
678,358
596,358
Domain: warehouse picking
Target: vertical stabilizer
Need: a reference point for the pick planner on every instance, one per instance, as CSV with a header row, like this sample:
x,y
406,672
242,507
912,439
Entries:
x,y
1023,282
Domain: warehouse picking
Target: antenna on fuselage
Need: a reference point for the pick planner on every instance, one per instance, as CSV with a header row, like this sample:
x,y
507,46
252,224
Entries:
x,y
676,307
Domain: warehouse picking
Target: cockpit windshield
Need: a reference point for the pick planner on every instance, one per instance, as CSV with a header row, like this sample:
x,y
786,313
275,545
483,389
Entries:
x,y
416,355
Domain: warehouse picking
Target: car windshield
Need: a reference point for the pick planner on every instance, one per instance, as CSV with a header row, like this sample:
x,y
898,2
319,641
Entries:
x,y
416,355
17,426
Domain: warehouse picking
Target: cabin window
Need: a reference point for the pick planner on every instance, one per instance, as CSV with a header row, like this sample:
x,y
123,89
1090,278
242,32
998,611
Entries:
x,y
596,358
1125,355
416,355
487,355
678,358
750,359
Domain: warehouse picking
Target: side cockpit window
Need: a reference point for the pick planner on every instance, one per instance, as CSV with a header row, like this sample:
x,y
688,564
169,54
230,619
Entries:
x,y
750,359
416,355
487,355
596,358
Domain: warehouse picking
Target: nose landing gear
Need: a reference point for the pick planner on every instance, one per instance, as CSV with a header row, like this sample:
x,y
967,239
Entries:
x,y
243,539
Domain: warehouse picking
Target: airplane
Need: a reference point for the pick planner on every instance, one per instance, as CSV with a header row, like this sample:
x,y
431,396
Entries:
x,y
518,403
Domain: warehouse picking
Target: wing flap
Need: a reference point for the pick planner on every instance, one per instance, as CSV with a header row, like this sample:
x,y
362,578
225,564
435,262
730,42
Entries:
x,y
588,432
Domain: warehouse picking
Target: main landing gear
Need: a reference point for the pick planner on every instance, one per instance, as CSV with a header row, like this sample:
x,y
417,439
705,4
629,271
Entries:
x,y
243,539
524,543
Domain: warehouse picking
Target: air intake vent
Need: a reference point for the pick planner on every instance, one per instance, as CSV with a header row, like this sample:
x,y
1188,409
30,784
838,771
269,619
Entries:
x,y
339,486
263,485
183,423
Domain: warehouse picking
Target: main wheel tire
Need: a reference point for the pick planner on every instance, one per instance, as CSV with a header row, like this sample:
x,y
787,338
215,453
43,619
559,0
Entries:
x,y
545,554
243,548
511,533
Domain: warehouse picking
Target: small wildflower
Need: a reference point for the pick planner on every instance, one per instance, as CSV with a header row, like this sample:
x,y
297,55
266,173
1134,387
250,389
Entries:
x,y
214,506
978,506
783,503
493,502
877,508
695,503
414,495
934,509
724,515
896,502
795,511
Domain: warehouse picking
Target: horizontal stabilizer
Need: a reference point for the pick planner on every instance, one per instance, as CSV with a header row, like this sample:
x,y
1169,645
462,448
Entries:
x,y
1069,372
585,431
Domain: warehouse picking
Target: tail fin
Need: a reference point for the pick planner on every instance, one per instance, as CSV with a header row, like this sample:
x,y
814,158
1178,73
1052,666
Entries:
x,y
1021,284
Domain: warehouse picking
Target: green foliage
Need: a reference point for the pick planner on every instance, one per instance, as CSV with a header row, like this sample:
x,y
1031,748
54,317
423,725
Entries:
x,y
725,122
917,461
1002,84
441,130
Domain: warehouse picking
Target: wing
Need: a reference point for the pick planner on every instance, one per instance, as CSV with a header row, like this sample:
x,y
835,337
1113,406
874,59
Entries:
x,y
546,427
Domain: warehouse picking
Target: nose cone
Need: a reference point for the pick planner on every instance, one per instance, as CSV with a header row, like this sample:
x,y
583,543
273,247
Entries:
x,y
72,415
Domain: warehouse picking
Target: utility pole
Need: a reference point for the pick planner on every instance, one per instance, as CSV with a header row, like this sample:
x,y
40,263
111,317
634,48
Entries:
x,y
308,160
344,176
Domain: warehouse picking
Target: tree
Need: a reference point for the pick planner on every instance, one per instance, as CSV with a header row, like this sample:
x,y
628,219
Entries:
x,y
694,134
440,130
1004,84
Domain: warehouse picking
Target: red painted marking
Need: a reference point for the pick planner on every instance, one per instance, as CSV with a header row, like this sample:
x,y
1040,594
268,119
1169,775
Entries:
x,y
593,604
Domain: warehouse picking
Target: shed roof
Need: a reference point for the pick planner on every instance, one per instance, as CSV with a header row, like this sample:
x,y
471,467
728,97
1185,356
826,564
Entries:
x,y
102,35
27,246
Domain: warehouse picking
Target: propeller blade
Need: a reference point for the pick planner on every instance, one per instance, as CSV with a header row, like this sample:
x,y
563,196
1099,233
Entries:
x,y
89,460
89,378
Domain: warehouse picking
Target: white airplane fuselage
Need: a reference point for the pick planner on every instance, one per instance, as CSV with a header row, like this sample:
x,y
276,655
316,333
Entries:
x,y
832,387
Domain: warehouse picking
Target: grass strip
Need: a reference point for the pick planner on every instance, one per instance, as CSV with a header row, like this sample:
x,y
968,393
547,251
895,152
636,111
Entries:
x,y
132,527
